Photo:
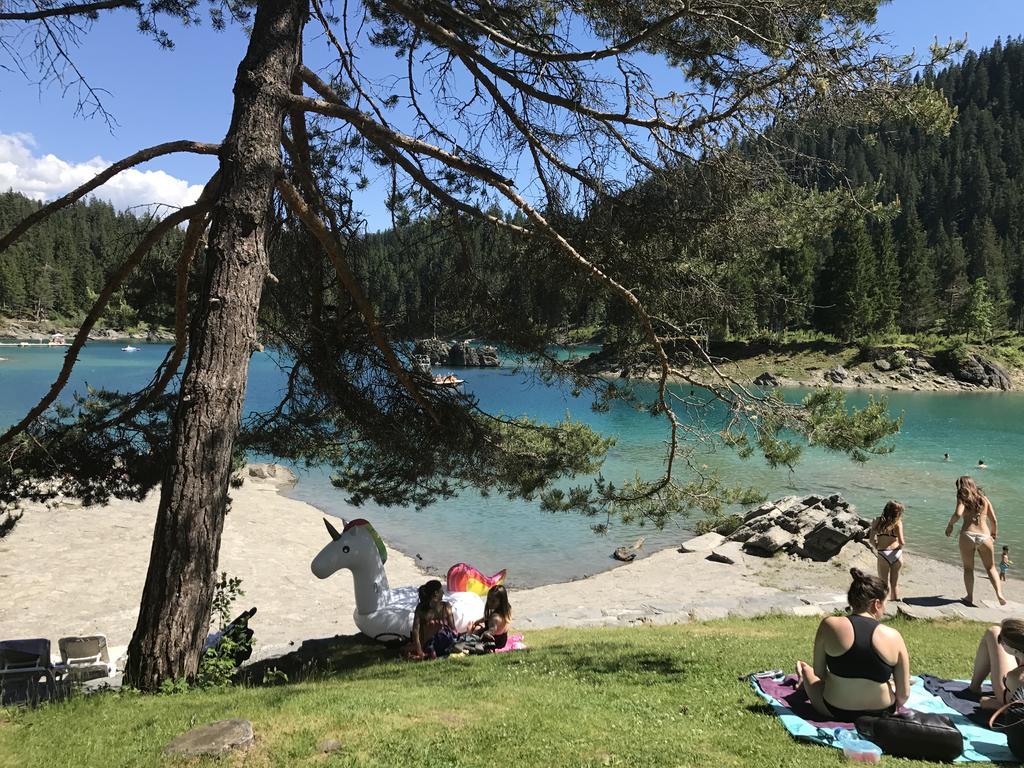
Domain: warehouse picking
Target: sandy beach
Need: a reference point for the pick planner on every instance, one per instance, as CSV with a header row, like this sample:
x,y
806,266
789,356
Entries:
x,y
72,571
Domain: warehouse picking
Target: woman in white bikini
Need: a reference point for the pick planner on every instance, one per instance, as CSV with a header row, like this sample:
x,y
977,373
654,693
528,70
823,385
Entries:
x,y
978,534
886,536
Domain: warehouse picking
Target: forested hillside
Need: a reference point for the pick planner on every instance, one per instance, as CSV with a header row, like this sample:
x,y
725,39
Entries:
x,y
56,269
961,215
948,258
947,254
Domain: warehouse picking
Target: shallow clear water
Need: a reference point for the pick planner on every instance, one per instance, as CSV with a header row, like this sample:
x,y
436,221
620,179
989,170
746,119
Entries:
x,y
537,547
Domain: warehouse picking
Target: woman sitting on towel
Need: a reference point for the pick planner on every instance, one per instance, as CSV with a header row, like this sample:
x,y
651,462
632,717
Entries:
x,y
861,667
1000,656
886,534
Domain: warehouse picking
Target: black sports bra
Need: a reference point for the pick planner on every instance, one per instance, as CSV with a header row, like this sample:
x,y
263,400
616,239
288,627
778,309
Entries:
x,y
861,660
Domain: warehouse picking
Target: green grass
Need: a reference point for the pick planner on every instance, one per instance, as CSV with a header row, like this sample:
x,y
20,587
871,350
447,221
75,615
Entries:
x,y
648,696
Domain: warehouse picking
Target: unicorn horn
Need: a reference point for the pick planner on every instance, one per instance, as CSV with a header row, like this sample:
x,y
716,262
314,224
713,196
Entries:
x,y
332,530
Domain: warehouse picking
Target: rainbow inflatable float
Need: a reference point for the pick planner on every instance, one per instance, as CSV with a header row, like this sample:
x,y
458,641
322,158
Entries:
x,y
384,613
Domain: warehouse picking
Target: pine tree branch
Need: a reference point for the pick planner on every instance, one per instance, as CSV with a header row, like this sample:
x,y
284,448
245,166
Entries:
x,y
101,178
616,49
113,283
193,238
318,229
75,9
384,135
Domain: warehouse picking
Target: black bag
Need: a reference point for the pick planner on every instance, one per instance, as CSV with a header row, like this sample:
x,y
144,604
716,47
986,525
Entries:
x,y
918,735
1012,725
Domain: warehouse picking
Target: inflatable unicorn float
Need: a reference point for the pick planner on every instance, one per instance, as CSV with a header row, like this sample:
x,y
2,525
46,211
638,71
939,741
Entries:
x,y
384,613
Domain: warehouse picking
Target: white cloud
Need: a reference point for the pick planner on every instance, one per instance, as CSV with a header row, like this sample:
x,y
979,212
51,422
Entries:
x,y
45,177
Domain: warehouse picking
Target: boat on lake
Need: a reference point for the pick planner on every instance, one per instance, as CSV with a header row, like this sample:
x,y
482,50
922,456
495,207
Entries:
x,y
129,348
448,381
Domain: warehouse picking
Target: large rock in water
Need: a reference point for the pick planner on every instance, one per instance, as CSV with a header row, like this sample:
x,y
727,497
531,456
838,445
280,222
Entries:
x,y
463,355
815,527
435,349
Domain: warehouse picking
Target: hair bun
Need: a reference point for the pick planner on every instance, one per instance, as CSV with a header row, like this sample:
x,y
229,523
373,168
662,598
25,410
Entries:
x,y
858,574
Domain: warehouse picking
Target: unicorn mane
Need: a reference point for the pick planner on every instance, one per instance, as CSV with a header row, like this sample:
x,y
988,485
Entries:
x,y
381,549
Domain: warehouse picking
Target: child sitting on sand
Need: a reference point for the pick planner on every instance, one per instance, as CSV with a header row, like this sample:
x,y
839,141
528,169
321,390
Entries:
x,y
1004,563
493,627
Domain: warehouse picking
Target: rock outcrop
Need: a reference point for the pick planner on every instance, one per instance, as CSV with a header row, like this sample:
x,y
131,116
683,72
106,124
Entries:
x,y
767,379
982,372
458,355
435,349
836,375
816,527
463,355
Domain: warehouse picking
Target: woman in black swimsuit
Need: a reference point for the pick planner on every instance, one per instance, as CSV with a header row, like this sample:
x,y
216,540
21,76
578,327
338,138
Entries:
x,y
861,667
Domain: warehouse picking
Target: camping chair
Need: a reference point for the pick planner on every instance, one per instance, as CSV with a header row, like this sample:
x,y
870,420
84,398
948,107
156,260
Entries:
x,y
85,658
22,664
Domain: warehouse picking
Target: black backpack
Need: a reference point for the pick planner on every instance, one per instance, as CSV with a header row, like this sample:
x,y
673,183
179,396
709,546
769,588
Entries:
x,y
913,734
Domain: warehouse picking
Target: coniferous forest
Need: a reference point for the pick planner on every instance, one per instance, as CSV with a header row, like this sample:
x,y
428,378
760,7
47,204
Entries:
x,y
946,255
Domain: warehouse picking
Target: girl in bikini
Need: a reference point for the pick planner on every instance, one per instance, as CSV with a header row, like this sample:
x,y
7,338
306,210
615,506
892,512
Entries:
x,y
1000,656
493,627
886,536
978,534
433,632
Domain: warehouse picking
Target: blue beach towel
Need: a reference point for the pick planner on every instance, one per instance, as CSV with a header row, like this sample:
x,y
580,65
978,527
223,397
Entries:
x,y
791,706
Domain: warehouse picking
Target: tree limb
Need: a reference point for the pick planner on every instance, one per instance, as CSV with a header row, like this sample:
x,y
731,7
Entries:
x,y
101,178
75,9
317,228
71,357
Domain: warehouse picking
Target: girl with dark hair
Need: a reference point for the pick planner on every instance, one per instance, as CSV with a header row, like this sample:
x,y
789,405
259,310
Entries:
x,y
1000,656
433,625
493,627
977,535
861,667
886,536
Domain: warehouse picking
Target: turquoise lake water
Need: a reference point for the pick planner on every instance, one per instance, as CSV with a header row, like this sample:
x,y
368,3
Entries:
x,y
537,547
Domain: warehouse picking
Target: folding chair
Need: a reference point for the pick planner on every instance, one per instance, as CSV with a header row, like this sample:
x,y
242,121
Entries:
x,y
23,664
85,658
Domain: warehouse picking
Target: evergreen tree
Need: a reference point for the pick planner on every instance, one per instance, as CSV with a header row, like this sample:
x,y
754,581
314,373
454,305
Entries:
x,y
887,299
978,312
918,277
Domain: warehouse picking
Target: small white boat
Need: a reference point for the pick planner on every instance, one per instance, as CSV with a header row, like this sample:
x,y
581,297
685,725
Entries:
x,y
129,348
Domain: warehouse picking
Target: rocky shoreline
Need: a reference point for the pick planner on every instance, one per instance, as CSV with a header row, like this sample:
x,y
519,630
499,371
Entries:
x,y
43,330
901,368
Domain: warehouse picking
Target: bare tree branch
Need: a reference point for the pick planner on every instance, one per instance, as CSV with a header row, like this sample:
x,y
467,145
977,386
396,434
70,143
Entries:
x,y
74,9
71,357
101,178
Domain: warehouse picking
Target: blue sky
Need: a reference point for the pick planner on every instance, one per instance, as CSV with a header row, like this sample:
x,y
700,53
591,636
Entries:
x,y
159,95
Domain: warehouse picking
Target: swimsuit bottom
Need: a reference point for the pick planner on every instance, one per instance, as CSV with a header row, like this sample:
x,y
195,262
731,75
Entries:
x,y
977,538
850,715
890,555
1003,567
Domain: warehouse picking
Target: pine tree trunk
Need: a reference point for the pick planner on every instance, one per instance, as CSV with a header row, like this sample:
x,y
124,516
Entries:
x,y
175,612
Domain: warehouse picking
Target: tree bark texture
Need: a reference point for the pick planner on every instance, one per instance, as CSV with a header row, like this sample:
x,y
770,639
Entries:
x,y
175,612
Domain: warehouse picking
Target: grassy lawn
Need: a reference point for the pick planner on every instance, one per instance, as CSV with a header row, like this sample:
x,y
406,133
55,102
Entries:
x,y
649,696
